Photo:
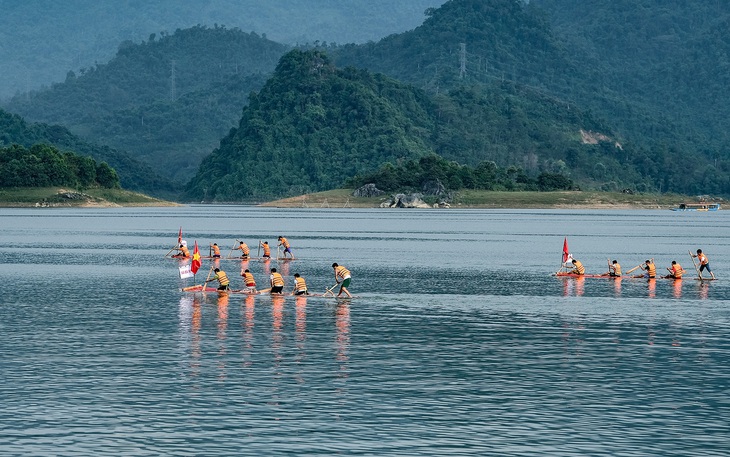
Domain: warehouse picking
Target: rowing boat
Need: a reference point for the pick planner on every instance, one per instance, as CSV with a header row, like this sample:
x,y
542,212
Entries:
x,y
574,275
199,289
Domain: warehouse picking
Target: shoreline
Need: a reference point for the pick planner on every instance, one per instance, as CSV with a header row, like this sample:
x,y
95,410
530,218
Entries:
x,y
342,198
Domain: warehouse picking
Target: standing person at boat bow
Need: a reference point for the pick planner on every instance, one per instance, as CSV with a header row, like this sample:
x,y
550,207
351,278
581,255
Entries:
x,y
285,243
578,267
344,274
276,281
704,263
675,271
650,269
222,279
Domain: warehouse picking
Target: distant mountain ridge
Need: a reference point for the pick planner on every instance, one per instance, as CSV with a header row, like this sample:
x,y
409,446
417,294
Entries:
x,y
133,175
42,41
519,92
166,101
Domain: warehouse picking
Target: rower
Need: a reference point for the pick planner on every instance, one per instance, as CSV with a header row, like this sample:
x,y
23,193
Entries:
x,y
222,279
276,281
183,252
243,247
578,267
344,274
267,250
675,271
300,285
285,243
216,251
249,282
614,270
650,269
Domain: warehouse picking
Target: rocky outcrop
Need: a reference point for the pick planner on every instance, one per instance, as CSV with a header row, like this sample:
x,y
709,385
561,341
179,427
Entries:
x,y
405,201
433,187
368,190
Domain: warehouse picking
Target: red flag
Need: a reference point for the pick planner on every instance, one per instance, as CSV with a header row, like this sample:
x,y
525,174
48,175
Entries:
x,y
195,264
566,253
179,236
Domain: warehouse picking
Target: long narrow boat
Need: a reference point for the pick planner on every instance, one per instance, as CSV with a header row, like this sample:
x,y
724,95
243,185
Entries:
x,y
573,275
701,206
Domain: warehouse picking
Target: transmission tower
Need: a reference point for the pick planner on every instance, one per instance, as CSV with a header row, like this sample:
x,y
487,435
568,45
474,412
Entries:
x,y
172,81
462,60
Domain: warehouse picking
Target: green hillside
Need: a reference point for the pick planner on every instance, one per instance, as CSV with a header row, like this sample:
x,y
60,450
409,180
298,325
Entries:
x,y
671,56
311,126
645,97
166,101
132,174
314,126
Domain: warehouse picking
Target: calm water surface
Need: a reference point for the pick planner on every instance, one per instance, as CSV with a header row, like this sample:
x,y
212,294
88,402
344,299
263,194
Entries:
x,y
459,341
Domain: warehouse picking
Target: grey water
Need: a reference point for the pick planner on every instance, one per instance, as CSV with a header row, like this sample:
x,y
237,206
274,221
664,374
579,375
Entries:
x,y
460,341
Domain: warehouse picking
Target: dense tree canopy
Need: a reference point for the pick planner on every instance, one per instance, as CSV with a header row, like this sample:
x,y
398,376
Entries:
x,y
42,165
132,174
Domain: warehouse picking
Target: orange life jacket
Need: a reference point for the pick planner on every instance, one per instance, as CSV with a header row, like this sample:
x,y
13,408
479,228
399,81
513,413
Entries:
x,y
342,272
222,278
276,280
651,269
267,250
617,269
216,250
248,279
284,242
301,285
579,268
677,271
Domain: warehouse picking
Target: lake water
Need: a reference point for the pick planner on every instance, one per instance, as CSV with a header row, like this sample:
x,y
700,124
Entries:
x,y
459,342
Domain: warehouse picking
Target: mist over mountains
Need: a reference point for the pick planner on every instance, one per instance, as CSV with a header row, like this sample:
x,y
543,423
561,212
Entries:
x,y
40,40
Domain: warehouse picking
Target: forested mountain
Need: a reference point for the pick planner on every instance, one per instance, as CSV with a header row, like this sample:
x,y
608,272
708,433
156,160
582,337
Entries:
x,y
526,85
40,41
672,56
310,127
314,126
509,40
166,101
133,175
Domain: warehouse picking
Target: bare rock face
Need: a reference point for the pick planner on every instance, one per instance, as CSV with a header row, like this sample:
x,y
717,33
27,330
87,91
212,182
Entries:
x,y
433,187
368,190
405,201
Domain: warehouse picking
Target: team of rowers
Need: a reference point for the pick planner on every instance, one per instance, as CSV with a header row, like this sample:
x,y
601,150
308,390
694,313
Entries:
x,y
184,251
343,277
675,270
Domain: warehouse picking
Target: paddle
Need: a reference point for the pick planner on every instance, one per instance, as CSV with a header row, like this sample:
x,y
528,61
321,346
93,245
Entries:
x,y
207,279
635,268
171,249
258,254
232,249
330,290
699,275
